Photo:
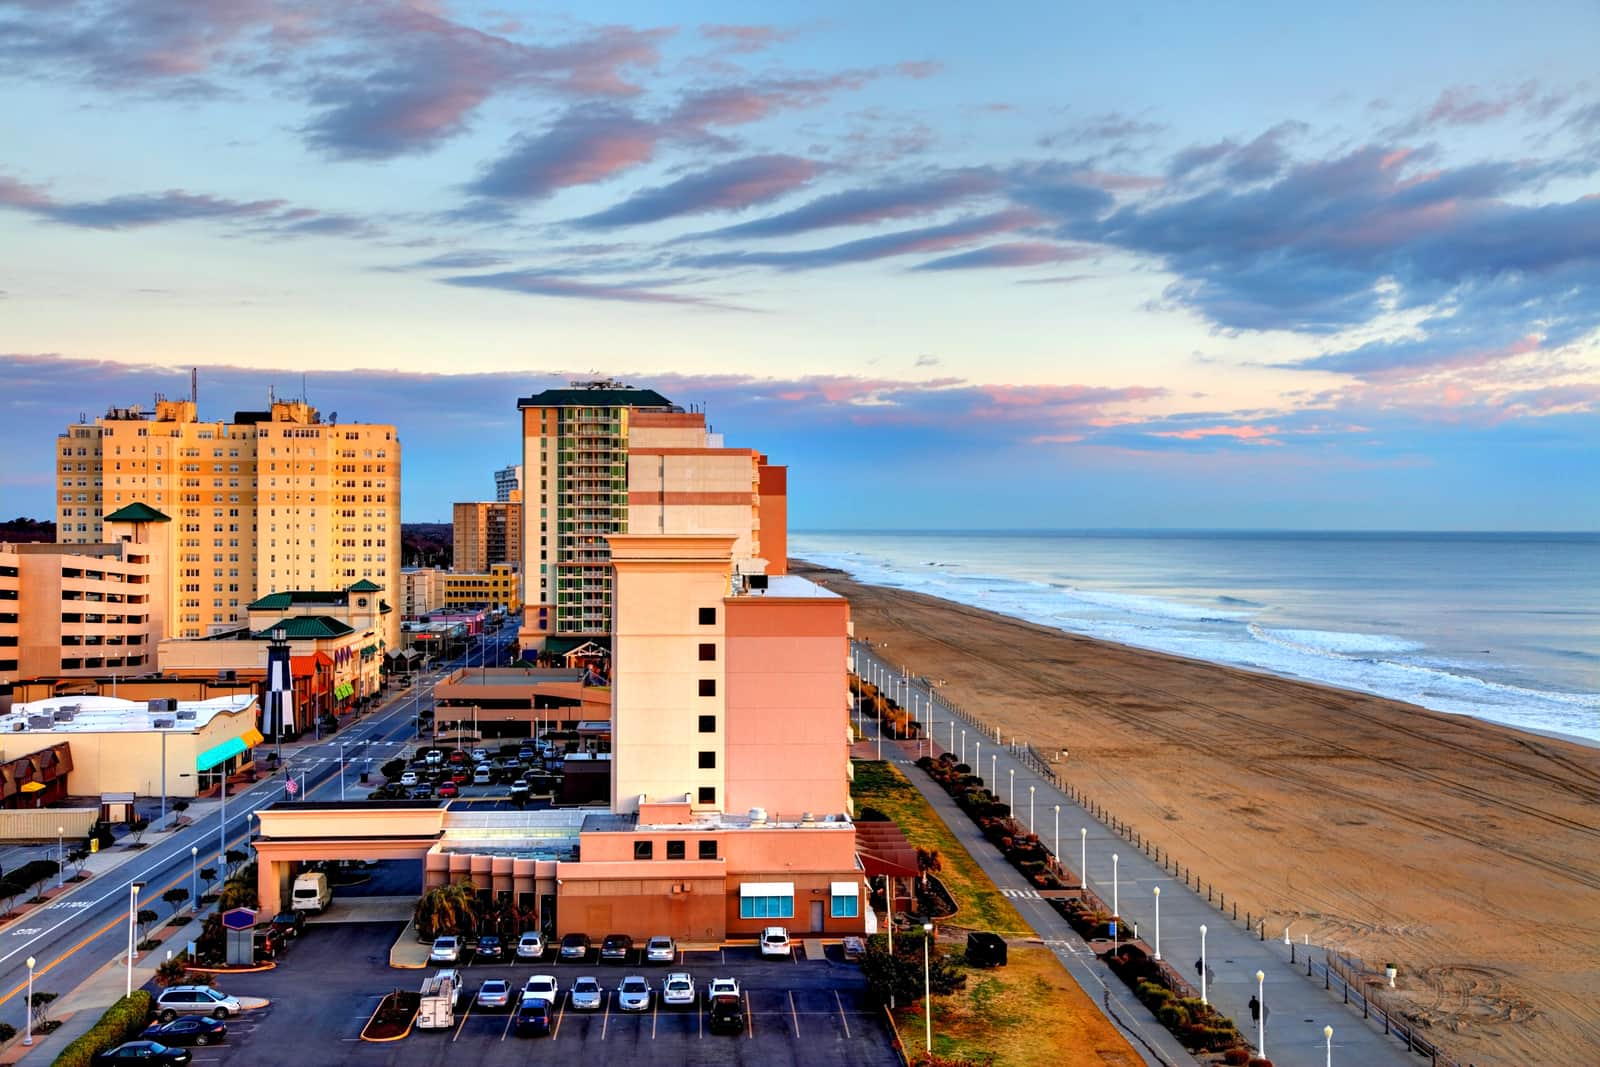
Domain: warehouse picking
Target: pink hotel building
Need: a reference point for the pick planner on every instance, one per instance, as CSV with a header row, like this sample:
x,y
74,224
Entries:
x,y
729,794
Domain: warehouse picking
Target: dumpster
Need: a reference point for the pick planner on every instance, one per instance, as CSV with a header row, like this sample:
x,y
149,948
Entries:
x,y
986,950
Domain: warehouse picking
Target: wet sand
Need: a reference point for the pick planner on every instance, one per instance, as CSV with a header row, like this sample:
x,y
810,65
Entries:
x,y
1467,853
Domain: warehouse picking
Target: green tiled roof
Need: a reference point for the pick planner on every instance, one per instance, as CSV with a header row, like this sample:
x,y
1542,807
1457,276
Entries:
x,y
595,398
285,601
305,627
137,513
364,586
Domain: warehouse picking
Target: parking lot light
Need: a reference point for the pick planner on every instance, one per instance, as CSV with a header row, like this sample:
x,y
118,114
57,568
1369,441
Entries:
x,y
927,983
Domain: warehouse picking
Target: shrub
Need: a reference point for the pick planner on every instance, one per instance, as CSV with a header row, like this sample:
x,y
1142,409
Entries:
x,y
7,1032
871,814
124,1019
1236,1057
1172,1017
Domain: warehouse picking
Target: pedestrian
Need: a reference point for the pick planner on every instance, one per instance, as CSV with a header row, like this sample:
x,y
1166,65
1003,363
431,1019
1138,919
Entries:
x,y
1200,968
1255,1009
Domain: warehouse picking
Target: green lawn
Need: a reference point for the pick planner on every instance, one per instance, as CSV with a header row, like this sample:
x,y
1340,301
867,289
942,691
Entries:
x,y
882,786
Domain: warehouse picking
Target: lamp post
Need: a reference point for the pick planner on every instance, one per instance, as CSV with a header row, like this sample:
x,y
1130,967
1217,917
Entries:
x,y
1083,856
888,902
963,746
994,772
279,638
1011,793
133,913
1057,850
194,879
952,735
28,1040
1327,1034
977,757
1203,998
1157,890
344,744
222,827
927,983
61,856
1030,809
1116,910
1261,1016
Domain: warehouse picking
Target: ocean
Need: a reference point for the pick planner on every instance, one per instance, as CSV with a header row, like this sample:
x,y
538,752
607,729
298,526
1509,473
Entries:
x,y
1502,627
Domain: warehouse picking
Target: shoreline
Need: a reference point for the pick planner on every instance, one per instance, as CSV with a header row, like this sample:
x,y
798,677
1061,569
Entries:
x,y
1463,849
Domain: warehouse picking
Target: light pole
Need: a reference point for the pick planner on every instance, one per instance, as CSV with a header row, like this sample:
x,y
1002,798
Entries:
x,y
1261,1016
1056,852
61,856
994,773
133,913
927,983
963,746
1011,793
1157,890
29,1009
1083,856
952,735
1030,809
977,757
342,745
1327,1034
1116,910
1203,998
194,879
888,901
222,827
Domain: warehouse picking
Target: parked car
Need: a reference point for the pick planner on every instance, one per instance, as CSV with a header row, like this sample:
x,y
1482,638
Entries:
x,y
542,987
494,994
189,1030
457,757
422,792
530,946
461,776
481,775
661,950
446,949
533,1018
775,942
290,923
408,778
575,947
723,987
434,756
678,990
519,790
615,948
194,1000
524,753
448,790
586,994
480,755
143,1052
727,1014
854,949
268,942
634,994
490,948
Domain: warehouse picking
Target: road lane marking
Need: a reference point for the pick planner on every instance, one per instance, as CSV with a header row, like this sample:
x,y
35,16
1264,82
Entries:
x,y
795,1015
842,1019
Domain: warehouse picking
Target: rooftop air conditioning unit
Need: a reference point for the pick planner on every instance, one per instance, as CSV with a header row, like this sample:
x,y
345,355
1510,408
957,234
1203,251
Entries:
x,y
758,816
757,581
808,819
40,722
159,704
186,713
229,676
163,724
64,714
18,727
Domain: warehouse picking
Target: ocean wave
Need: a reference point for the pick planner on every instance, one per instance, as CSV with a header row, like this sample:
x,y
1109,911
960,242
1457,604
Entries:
x,y
1155,607
1335,643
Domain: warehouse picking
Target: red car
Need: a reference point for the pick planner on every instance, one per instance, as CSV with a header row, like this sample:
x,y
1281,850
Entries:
x,y
458,757
449,789
460,778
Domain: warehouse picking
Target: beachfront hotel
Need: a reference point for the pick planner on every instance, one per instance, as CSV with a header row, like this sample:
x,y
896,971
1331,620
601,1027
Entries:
x,y
271,500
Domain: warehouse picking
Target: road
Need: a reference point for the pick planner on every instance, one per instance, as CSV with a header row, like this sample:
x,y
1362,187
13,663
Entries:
x,y
80,931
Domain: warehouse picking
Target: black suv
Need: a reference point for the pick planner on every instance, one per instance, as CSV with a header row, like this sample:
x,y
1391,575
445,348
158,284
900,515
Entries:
x,y
290,923
615,948
727,1015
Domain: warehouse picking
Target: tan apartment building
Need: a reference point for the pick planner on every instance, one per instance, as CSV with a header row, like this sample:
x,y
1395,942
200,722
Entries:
x,y
75,610
603,458
486,532
430,589
275,499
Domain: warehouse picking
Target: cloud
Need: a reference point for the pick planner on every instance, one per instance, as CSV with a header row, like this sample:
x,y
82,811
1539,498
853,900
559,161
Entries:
x,y
130,211
1259,159
536,283
1468,105
587,144
737,105
903,242
730,186
1016,254
744,38
1110,127
870,204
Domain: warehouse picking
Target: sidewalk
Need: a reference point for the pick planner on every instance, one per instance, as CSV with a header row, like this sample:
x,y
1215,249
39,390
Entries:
x,y
1298,1008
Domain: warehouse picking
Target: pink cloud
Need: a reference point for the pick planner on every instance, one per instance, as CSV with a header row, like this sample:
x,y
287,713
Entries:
x,y
1261,435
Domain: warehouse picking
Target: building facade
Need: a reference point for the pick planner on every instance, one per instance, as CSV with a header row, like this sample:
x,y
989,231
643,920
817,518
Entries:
x,y
486,532
275,499
507,481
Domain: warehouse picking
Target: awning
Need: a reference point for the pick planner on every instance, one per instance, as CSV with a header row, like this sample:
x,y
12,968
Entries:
x,y
767,889
230,748
343,689
844,889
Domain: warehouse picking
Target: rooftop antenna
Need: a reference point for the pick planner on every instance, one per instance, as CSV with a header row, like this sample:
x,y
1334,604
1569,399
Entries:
x,y
194,386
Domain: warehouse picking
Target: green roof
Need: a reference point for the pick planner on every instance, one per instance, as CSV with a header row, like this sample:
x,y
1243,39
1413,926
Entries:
x,y
137,513
285,601
364,586
622,397
305,627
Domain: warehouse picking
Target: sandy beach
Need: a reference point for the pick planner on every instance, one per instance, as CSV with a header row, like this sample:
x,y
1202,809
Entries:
x,y
1467,853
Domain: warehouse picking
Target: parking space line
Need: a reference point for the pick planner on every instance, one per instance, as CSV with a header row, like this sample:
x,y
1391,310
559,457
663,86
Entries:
x,y
655,1011
700,1017
749,1018
606,1022
842,1019
511,1018
463,1023
795,1015
561,1013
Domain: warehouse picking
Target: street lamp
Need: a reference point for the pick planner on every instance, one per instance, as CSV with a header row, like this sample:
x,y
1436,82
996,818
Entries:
x,y
1203,998
1057,850
1116,911
342,746
977,757
1261,1016
61,856
1083,856
1157,890
194,879
1030,809
1011,795
963,746
1327,1033
994,773
28,1040
133,912
927,983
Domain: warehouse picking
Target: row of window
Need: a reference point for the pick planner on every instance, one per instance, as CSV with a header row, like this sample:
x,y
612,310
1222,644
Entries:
x,y
782,907
645,850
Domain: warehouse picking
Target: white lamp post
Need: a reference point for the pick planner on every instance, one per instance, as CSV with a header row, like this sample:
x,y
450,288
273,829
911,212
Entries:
x,y
977,757
1116,910
1327,1034
133,912
1030,809
1203,998
1057,850
1083,856
1261,1016
1157,890
28,1040
1011,794
952,735
927,983
194,879
963,746
994,772
222,827
61,855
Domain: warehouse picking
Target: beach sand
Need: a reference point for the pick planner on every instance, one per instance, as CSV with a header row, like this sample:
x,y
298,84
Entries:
x,y
1467,853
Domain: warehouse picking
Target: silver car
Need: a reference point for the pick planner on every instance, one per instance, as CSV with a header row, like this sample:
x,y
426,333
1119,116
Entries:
x,y
586,994
678,990
661,950
634,994
495,993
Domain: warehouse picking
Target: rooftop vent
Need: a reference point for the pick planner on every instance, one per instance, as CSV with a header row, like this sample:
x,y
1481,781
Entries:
x,y
18,727
808,819
758,816
186,713
163,724
41,722
64,714
160,704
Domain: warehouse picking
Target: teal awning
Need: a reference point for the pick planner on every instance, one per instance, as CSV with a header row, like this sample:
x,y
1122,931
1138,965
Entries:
x,y
215,755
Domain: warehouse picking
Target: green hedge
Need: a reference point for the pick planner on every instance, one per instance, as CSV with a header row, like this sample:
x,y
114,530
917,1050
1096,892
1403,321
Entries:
x,y
125,1019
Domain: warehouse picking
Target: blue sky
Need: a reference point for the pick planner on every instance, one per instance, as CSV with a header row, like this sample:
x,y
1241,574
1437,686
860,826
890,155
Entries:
x,y
1135,266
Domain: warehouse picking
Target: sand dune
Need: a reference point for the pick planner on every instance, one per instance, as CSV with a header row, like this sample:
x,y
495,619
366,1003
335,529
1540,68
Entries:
x,y
1466,852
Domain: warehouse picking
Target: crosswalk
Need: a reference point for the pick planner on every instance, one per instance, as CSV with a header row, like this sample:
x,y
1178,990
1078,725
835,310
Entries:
x,y
1022,894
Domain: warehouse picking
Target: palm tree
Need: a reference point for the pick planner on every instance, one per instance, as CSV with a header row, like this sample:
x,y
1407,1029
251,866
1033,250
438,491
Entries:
x,y
928,862
447,909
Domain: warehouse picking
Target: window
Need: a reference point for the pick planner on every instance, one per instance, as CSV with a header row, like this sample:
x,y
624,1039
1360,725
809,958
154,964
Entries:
x,y
708,651
708,850
708,761
675,850
776,906
708,616
643,850
846,907
708,724
708,794
708,687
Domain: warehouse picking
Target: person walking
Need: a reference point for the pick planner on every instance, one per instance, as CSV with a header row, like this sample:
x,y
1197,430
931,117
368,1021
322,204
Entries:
x,y
1255,1009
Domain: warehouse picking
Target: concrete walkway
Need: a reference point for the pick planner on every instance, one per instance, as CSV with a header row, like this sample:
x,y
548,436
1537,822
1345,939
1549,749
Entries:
x,y
1297,1008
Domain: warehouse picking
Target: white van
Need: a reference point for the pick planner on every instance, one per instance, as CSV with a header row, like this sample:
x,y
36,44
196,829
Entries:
x,y
481,775
311,892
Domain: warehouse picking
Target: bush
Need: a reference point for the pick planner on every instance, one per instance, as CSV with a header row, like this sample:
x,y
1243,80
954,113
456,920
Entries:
x,y
1236,1057
7,1032
124,1019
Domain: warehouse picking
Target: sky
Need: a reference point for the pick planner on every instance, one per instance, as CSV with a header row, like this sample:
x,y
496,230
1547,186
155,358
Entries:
x,y
1018,266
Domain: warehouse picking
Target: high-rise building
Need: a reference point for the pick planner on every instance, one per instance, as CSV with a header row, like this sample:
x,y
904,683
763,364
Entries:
x,y
602,458
507,480
273,500
486,532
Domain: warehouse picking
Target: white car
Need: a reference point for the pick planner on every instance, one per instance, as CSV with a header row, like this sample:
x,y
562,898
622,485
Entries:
x,y
542,987
678,990
445,950
408,778
661,950
774,942
723,987
530,946
634,994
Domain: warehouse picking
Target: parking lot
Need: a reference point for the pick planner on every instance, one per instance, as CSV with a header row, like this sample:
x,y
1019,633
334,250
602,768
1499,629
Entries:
x,y
799,1012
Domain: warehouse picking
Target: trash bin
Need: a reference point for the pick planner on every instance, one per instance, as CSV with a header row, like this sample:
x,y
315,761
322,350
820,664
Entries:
x,y
986,950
